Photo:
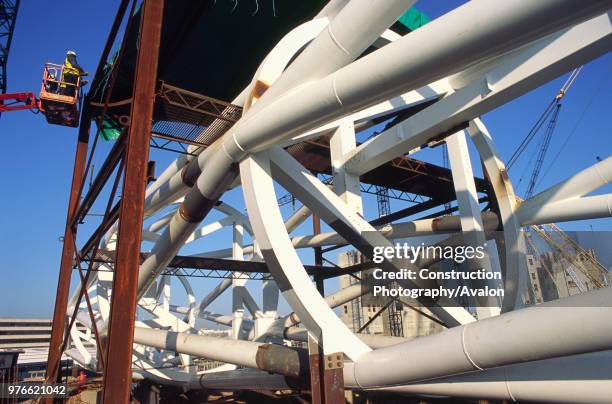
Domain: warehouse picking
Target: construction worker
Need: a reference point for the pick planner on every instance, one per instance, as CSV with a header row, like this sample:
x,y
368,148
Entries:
x,y
71,71
51,85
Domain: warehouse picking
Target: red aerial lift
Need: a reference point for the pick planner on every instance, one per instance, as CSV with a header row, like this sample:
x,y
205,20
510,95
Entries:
x,y
58,98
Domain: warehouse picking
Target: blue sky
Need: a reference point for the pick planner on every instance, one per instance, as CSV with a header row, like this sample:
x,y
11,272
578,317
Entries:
x,y
37,159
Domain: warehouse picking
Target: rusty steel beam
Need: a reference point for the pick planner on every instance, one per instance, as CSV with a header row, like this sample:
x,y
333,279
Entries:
x,y
92,317
314,360
118,372
326,375
85,279
109,165
102,228
110,40
107,97
63,283
333,378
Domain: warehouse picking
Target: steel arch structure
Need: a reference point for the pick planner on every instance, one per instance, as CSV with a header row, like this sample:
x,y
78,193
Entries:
x,y
316,81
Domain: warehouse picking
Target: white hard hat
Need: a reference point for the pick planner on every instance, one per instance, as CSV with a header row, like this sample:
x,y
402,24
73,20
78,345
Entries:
x,y
73,53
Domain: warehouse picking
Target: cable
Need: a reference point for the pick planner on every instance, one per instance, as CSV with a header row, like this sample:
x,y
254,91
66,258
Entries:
x,y
527,167
549,109
542,151
534,130
573,131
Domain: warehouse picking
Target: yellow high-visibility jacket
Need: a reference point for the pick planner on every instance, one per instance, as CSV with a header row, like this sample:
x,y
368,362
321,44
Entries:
x,y
68,69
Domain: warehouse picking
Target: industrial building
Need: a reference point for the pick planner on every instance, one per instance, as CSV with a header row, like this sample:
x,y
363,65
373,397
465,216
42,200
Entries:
x,y
30,337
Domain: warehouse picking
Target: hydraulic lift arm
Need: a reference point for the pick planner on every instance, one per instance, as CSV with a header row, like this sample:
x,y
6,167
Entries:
x,y
18,101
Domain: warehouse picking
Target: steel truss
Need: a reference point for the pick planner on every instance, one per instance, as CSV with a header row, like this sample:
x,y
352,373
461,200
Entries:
x,y
371,189
297,96
203,267
8,17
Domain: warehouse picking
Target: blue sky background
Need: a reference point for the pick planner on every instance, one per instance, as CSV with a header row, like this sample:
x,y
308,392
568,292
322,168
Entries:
x,y
36,160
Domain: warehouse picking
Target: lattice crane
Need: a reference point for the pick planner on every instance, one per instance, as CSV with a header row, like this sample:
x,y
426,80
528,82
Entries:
x,y
552,123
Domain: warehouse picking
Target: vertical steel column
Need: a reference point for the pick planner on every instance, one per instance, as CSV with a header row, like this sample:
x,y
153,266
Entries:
x,y
326,375
63,282
471,220
318,253
118,372
333,378
326,384
315,355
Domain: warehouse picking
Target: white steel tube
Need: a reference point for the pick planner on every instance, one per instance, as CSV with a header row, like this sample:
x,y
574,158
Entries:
x,y
442,47
586,181
372,340
222,349
421,227
242,379
572,379
570,326
269,357
358,24
297,218
590,207
215,293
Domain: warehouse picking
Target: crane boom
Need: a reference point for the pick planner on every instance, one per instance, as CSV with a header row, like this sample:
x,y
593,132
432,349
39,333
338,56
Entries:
x,y
550,128
542,152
